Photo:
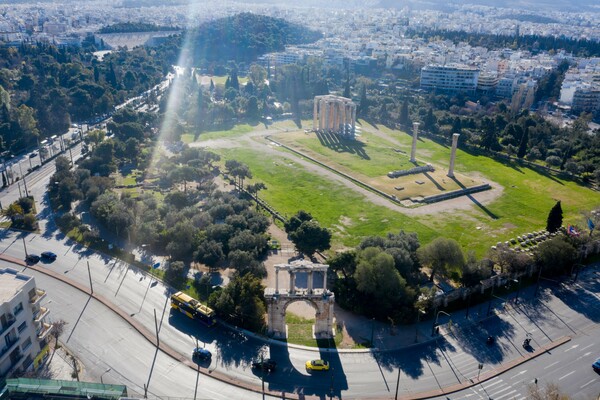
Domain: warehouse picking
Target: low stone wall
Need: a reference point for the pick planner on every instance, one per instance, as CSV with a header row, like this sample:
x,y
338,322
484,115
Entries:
x,y
455,193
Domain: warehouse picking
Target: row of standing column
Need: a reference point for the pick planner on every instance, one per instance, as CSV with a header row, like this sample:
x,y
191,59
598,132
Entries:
x,y
293,281
334,115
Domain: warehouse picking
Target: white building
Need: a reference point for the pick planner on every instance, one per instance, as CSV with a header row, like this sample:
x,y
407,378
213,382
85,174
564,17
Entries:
x,y
23,329
452,77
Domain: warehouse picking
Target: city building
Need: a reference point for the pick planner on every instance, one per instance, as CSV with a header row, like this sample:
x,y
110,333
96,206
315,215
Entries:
x,y
586,99
452,78
23,329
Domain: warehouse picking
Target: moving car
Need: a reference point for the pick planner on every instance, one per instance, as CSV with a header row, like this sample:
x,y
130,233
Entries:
x,y
32,259
596,365
201,354
317,365
48,256
267,365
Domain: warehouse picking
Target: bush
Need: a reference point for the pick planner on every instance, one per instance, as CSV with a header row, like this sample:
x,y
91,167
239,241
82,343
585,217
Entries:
x,y
67,221
29,222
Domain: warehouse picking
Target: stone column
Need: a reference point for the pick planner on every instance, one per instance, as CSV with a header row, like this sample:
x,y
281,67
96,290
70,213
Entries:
x,y
334,116
453,154
315,113
326,119
309,282
324,280
292,282
413,152
353,119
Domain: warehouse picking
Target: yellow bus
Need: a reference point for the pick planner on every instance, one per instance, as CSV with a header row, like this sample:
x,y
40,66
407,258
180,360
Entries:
x,y
193,308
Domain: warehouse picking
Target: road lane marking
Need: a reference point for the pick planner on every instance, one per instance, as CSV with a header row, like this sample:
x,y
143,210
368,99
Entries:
x,y
584,355
564,376
493,384
549,366
572,347
592,381
519,374
583,348
500,391
504,395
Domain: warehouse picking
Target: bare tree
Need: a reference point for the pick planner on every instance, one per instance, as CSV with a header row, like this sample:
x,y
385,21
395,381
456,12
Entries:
x,y
58,328
550,391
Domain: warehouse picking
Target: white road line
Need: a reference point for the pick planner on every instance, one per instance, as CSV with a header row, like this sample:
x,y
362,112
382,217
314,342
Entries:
x,y
504,395
493,384
500,391
572,347
551,365
589,345
564,376
592,381
519,374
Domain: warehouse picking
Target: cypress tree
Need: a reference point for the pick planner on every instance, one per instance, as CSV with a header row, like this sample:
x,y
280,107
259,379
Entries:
x,y
523,144
555,218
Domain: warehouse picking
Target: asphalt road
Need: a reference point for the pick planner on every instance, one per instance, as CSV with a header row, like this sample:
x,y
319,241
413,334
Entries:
x,y
451,359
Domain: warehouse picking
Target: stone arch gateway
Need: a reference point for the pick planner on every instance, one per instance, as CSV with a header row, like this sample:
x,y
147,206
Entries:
x,y
321,299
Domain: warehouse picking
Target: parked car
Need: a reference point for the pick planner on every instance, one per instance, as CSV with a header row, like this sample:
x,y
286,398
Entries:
x,y
48,256
267,365
34,154
32,259
596,365
317,365
201,354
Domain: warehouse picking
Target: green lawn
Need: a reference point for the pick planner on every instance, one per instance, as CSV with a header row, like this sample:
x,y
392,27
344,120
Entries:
x,y
523,206
300,332
236,131
291,188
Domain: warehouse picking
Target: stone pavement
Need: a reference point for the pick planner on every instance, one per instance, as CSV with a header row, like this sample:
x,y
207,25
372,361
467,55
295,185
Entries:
x,y
384,339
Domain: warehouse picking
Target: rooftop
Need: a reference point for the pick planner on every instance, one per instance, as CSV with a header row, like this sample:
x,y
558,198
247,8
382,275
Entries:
x,y
11,281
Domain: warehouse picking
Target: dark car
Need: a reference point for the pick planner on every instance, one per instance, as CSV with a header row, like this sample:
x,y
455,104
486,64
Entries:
x,y
267,365
201,354
48,256
32,259
596,365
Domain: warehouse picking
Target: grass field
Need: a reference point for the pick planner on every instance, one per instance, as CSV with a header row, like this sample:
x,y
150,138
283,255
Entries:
x,y
236,131
523,206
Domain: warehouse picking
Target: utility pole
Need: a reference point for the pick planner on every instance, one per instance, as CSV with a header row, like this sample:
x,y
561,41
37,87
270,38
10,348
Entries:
x,y
156,327
25,247
24,181
397,384
90,276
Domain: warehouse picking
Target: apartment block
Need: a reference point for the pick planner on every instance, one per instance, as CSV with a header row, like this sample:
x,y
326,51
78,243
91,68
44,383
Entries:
x,y
23,326
452,78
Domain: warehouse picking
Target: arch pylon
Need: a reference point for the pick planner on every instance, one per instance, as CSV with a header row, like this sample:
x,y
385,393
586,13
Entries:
x,y
278,299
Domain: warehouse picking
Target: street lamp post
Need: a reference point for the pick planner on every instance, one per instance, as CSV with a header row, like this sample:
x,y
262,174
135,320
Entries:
x,y
491,298
102,376
24,181
537,286
372,332
436,321
397,384
518,281
419,312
